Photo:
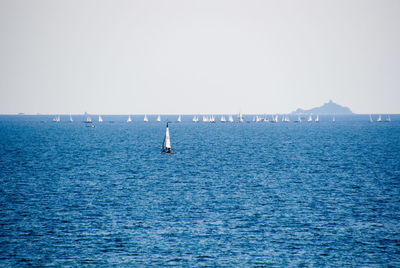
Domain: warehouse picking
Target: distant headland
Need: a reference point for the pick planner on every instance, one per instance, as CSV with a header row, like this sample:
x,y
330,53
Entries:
x,y
328,108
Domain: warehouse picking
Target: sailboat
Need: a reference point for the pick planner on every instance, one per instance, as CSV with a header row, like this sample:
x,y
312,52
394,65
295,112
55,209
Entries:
x,y
100,119
230,119
298,119
205,119
317,119
212,119
379,119
129,119
145,119
56,119
309,118
70,118
333,119
223,120
370,119
166,146
195,119
241,120
179,119
388,118
159,118
88,119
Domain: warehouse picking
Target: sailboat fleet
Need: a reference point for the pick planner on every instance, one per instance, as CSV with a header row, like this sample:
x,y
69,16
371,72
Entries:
x,y
230,119
388,119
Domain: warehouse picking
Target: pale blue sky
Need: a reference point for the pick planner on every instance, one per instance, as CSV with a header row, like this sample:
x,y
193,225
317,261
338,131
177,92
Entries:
x,y
135,57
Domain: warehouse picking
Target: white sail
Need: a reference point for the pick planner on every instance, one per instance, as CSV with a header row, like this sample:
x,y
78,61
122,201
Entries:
x,y
195,119
223,120
167,139
388,118
230,119
309,118
129,119
379,119
179,119
333,119
145,119
158,118
100,119
205,119
212,119
70,118
370,119
317,119
241,118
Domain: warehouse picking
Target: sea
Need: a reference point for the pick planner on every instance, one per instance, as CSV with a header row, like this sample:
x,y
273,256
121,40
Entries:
x,y
233,194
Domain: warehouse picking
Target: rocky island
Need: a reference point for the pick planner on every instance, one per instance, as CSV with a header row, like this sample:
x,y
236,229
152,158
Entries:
x,y
328,108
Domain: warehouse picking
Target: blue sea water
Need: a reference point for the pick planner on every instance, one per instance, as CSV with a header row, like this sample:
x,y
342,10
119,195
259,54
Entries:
x,y
251,194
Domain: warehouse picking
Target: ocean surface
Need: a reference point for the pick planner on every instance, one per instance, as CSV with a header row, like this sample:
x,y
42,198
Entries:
x,y
250,194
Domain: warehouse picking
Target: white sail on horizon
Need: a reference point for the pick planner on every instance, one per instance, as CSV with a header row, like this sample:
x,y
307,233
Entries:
x,y
100,119
167,139
145,119
158,118
129,119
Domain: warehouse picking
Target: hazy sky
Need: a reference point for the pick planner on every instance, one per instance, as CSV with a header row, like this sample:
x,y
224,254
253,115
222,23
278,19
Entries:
x,y
134,57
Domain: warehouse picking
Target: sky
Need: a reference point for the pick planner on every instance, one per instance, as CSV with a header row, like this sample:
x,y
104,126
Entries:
x,y
198,57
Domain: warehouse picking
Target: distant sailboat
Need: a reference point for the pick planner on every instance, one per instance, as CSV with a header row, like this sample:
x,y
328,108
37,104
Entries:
x,y
70,118
179,119
205,119
166,147
379,119
56,119
159,118
317,119
212,119
223,119
195,119
129,119
100,119
88,119
298,120
370,119
230,118
145,119
388,118
333,119
241,120
309,118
